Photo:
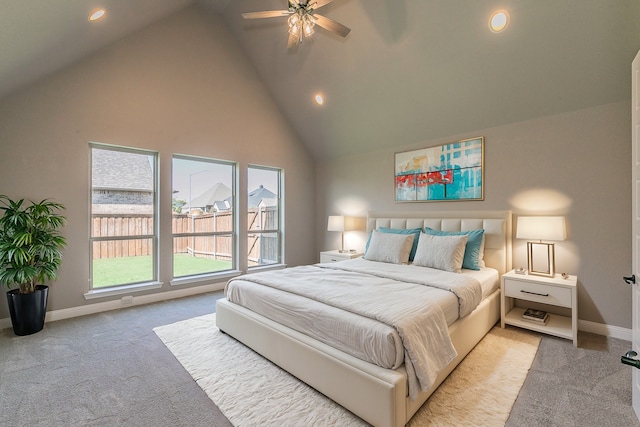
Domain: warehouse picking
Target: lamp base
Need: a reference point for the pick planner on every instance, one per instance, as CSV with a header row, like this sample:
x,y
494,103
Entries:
x,y
544,263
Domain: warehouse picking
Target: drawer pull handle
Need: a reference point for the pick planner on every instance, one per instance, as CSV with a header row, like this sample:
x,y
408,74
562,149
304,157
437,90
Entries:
x,y
534,293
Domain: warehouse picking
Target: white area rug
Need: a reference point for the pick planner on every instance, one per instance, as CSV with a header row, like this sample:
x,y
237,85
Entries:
x,y
251,391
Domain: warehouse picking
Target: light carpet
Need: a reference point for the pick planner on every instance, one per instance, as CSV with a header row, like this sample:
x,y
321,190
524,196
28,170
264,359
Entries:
x,y
251,391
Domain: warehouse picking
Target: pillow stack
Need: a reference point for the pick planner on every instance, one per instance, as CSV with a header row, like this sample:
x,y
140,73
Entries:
x,y
444,250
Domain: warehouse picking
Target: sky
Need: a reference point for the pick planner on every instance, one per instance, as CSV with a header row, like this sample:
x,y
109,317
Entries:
x,y
195,176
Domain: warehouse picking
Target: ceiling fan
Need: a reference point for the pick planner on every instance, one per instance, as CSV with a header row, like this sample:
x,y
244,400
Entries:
x,y
302,19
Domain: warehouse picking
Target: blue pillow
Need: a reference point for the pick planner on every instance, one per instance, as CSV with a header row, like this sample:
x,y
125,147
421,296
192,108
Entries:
x,y
416,235
471,251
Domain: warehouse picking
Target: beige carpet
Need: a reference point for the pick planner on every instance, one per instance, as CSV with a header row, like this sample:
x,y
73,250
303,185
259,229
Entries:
x,y
252,391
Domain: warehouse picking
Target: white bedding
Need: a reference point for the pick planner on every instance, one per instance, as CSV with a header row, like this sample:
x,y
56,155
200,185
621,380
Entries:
x,y
489,279
396,296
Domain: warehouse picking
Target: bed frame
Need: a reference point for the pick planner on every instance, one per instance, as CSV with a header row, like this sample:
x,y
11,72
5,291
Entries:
x,y
377,395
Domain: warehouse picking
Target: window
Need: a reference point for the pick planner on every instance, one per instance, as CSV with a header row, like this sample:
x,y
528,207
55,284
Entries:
x,y
203,222
123,242
264,216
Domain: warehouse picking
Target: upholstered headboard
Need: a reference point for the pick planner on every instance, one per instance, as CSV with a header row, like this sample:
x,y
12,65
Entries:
x,y
496,225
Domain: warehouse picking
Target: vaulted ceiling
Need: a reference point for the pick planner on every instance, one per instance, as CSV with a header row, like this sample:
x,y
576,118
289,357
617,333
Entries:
x,y
409,71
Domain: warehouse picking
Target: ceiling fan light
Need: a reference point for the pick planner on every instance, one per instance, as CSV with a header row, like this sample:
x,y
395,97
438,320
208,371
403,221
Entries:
x,y
307,24
293,20
308,20
294,29
308,29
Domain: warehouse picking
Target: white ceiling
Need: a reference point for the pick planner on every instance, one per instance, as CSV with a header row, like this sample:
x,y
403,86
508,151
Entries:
x,y
410,71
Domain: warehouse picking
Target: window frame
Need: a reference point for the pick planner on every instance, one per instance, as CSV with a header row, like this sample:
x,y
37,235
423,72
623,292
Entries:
x,y
154,237
280,216
233,270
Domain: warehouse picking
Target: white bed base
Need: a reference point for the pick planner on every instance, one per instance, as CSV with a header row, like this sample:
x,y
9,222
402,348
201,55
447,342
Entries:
x,y
377,395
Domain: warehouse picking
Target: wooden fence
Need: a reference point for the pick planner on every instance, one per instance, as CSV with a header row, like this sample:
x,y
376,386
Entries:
x,y
113,225
262,247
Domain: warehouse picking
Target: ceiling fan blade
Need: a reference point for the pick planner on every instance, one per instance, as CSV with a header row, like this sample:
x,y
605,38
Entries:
x,y
319,3
266,14
331,25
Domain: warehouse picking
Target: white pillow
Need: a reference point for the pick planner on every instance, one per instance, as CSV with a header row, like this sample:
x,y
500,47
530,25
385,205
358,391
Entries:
x,y
441,252
389,247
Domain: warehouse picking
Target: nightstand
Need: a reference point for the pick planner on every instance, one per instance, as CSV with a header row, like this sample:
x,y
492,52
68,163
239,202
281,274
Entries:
x,y
335,256
553,292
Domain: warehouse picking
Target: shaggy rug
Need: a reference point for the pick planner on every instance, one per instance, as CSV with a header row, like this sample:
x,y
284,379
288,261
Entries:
x,y
251,391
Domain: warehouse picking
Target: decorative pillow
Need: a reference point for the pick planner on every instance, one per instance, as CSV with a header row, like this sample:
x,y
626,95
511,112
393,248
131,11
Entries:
x,y
474,250
389,247
441,252
416,235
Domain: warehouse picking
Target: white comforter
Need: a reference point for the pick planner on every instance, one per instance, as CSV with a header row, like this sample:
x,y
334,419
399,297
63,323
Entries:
x,y
398,295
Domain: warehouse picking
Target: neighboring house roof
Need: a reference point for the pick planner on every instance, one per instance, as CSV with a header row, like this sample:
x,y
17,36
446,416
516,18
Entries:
x,y
257,195
216,194
220,198
268,203
119,170
222,205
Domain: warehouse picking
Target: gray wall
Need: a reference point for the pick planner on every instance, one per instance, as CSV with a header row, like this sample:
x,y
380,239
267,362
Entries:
x,y
180,86
576,164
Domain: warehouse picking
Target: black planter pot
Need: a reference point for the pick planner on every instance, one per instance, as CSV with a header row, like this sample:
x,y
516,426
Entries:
x,y
28,310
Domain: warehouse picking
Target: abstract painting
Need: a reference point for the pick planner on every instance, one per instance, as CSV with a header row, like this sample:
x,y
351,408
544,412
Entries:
x,y
446,172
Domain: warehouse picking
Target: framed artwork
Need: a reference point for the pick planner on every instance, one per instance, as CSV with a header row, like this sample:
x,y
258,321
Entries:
x,y
446,172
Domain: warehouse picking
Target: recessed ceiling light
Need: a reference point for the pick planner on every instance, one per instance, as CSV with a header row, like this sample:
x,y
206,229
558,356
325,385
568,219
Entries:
x,y
97,15
499,21
319,99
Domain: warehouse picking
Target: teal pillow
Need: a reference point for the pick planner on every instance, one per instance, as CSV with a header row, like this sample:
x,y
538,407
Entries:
x,y
416,235
471,259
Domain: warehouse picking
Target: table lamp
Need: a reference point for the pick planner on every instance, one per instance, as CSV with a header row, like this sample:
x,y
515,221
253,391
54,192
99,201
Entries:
x,y
341,223
541,256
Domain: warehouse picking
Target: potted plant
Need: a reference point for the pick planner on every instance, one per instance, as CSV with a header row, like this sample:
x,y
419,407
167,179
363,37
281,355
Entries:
x,y
30,254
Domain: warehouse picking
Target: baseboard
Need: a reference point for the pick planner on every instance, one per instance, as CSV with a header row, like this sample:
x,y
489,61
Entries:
x,y
606,330
125,302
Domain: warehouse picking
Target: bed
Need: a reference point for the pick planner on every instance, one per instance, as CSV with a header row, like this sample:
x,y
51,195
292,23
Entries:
x,y
382,396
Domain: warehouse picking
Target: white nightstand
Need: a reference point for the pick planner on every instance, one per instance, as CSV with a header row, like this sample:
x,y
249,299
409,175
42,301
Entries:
x,y
334,256
556,291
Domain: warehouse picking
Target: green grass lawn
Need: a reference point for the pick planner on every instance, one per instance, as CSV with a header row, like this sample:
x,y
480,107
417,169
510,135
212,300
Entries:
x,y
123,270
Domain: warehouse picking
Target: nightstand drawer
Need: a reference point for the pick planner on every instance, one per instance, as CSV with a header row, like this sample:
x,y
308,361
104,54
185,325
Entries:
x,y
537,292
331,258
335,256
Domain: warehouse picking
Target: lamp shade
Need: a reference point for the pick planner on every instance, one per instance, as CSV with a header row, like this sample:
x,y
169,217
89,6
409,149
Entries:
x,y
343,223
541,228
336,223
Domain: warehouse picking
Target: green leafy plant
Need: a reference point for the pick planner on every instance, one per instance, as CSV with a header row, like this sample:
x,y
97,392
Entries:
x,y
30,244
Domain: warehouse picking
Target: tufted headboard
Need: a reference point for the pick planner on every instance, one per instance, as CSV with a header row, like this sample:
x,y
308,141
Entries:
x,y
496,225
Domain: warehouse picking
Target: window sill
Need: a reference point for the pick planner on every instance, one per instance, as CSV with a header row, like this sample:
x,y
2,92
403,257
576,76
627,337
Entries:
x,y
266,268
122,290
202,279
